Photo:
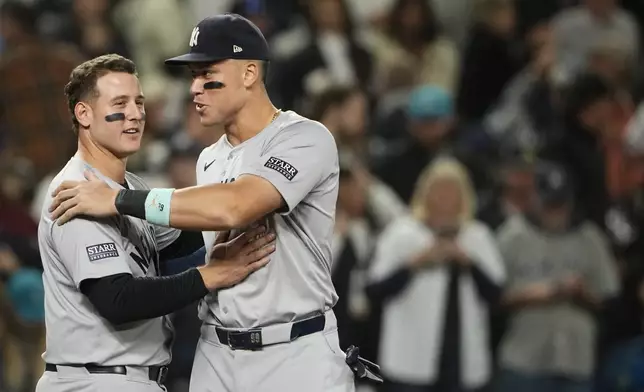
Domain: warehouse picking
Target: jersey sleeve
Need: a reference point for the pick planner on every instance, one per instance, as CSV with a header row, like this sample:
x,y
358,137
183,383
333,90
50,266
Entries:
x,y
90,249
296,160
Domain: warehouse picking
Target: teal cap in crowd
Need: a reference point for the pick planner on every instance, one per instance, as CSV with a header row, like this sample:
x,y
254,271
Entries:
x,y
430,102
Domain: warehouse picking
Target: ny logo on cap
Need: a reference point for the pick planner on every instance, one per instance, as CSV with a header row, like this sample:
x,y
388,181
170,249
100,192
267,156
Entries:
x,y
236,49
194,36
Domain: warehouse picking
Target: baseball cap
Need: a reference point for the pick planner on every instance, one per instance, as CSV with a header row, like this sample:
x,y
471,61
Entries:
x,y
429,102
223,37
553,184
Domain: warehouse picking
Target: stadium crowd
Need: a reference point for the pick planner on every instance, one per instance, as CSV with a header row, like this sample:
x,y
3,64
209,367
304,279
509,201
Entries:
x,y
489,229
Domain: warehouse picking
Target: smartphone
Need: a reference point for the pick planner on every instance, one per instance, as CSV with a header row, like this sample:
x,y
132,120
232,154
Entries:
x,y
449,232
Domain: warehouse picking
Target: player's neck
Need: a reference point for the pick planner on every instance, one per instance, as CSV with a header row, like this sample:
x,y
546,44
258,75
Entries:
x,y
102,160
256,115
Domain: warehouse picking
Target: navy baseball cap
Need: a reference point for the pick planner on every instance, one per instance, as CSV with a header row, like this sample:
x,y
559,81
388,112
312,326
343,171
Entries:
x,y
223,37
554,186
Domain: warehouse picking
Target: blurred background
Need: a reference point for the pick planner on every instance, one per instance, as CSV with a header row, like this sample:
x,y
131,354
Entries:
x,y
490,215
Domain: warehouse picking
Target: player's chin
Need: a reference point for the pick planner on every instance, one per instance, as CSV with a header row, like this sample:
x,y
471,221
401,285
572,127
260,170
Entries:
x,y
210,119
129,145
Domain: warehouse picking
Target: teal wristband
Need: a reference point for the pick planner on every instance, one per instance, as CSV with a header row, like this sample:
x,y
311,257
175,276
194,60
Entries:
x,y
157,206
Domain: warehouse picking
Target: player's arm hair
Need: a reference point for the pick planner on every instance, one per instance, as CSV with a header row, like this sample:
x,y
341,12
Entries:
x,y
214,207
122,298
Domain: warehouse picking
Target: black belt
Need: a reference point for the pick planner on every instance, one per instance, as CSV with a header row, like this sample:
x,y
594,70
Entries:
x,y
155,373
252,339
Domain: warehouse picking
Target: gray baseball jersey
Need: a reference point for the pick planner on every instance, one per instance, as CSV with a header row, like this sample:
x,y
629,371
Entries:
x,y
87,249
300,158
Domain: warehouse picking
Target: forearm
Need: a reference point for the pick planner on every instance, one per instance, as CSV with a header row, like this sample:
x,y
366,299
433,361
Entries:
x,y
204,208
122,298
522,298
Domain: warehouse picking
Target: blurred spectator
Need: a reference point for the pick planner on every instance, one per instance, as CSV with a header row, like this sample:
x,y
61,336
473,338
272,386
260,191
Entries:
x,y
344,111
592,145
622,344
21,296
513,193
610,59
430,113
455,16
17,228
23,310
438,253
353,242
181,166
412,50
155,30
33,113
365,207
181,174
92,29
579,29
490,59
333,56
526,116
190,133
560,272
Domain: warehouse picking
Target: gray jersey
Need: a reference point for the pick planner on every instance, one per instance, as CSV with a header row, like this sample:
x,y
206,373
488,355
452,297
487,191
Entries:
x,y
88,249
300,158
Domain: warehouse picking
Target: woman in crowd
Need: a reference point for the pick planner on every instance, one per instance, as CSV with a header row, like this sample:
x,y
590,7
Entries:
x,y
412,50
437,273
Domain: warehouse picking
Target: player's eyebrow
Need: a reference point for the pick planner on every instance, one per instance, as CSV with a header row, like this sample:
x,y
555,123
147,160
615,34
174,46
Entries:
x,y
126,97
200,69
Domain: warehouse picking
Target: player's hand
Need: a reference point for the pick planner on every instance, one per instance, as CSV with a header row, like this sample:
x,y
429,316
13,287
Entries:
x,y
225,247
91,198
245,254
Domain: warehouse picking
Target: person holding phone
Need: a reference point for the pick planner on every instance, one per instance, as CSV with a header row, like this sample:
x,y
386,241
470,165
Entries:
x,y
437,272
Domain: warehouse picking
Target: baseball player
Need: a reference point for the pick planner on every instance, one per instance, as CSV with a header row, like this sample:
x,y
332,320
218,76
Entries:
x,y
105,304
275,331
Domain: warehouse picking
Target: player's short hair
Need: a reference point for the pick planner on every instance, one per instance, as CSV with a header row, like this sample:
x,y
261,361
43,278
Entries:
x,y
82,81
263,65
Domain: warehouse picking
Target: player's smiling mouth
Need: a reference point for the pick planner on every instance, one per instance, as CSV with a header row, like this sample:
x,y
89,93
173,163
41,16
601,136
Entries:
x,y
131,131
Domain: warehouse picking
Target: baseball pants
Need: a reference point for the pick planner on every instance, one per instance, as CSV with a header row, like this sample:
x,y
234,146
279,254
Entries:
x,y
313,363
74,379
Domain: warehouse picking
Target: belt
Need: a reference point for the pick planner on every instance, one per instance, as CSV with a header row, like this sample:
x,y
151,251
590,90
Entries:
x,y
251,339
156,373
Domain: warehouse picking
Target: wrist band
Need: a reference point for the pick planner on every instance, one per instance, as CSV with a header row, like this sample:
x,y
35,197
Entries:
x,y
131,202
157,206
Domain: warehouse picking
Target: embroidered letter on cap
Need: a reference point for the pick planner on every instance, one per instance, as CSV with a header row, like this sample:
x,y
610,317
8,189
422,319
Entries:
x,y
282,167
102,251
194,37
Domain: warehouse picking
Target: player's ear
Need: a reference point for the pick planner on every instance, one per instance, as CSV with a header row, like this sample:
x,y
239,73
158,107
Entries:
x,y
83,113
251,73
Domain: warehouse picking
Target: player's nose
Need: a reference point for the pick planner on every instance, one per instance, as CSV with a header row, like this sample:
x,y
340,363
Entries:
x,y
196,87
